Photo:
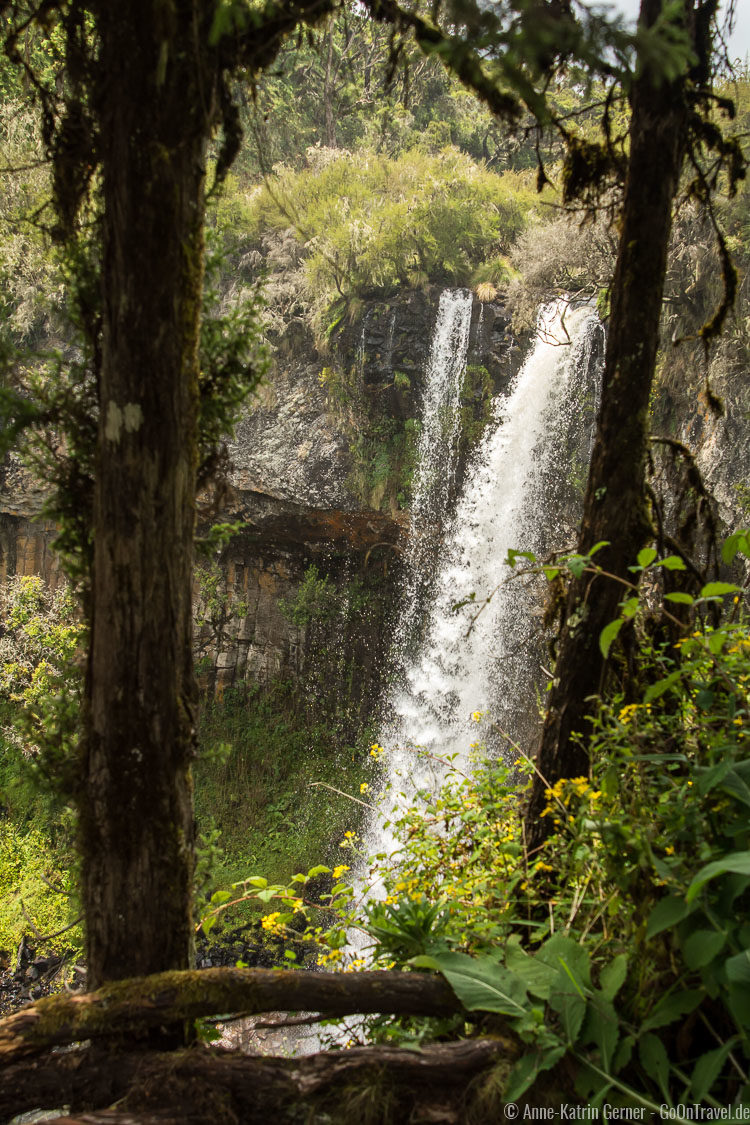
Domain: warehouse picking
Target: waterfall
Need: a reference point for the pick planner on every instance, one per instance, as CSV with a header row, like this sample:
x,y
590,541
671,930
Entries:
x,y
437,455
515,496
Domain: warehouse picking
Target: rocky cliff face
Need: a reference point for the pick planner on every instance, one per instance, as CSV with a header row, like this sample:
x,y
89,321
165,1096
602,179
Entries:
x,y
322,512
714,427
314,464
320,484
25,538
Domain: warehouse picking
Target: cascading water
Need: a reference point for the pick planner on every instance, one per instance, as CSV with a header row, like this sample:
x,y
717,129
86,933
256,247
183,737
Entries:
x,y
513,497
437,454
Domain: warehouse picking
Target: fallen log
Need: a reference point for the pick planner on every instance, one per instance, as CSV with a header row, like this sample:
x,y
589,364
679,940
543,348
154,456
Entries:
x,y
130,1007
446,1082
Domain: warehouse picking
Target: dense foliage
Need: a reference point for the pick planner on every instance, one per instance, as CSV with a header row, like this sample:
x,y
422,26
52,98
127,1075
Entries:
x,y
630,921
639,894
40,639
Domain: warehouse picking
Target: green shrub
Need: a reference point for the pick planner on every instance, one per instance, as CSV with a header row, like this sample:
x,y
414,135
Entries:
x,y
370,224
623,944
37,891
268,790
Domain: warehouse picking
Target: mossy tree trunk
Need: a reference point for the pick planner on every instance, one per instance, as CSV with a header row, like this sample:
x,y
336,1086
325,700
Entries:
x,y
615,507
126,127
154,103
154,78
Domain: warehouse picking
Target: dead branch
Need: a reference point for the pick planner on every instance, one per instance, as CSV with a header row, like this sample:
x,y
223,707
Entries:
x,y
201,1086
131,1007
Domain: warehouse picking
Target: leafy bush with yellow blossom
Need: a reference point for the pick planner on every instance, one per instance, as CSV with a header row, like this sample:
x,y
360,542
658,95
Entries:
x,y
623,944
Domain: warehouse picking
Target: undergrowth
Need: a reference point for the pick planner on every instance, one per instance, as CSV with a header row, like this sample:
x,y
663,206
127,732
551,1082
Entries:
x,y
619,951
272,785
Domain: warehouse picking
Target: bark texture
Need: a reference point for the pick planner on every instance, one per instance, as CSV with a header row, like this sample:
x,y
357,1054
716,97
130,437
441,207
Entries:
x,y
155,85
447,1083
615,508
154,101
130,1007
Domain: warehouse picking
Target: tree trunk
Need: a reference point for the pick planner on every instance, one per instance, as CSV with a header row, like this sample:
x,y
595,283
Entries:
x,y
441,1082
330,121
154,103
615,507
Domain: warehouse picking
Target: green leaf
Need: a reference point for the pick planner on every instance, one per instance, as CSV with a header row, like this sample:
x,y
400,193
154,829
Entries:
x,y
678,596
569,997
738,967
667,912
646,556
602,1028
705,699
738,542
571,1007
655,691
230,16
479,982
218,898
608,634
672,1007
513,555
718,589
613,976
538,977
739,1003
576,564
672,562
630,607
736,785
563,952
702,947
738,863
654,1060
707,1069
709,776
528,1067
623,1054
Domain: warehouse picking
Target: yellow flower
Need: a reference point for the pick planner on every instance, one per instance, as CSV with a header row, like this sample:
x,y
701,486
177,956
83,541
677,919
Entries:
x,y
476,716
269,922
669,849
364,787
626,714
339,871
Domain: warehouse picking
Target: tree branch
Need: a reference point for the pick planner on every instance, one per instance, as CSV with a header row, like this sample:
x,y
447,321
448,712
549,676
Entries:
x,y
133,1006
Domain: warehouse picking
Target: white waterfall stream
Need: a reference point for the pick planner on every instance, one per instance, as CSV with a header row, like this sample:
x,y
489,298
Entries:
x,y
514,492
437,454
513,495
